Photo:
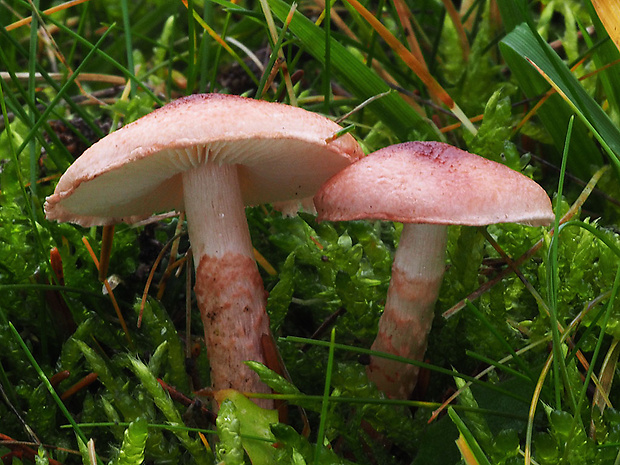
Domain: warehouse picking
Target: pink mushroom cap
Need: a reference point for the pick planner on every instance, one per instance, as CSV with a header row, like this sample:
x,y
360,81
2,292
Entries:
x,y
283,154
434,183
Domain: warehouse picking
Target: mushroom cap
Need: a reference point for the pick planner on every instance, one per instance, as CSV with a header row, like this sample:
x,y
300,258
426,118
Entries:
x,y
283,154
434,183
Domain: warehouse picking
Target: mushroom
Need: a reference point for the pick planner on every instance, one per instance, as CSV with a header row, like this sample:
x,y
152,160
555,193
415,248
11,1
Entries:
x,y
426,186
209,155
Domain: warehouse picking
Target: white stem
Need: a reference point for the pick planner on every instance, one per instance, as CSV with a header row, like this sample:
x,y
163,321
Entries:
x,y
229,289
215,212
409,309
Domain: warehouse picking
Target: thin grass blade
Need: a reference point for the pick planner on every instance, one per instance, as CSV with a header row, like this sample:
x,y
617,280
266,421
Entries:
x,y
357,78
609,13
470,449
604,54
525,43
555,113
412,62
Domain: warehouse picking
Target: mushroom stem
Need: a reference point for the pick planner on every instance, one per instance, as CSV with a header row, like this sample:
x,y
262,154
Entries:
x,y
409,309
229,289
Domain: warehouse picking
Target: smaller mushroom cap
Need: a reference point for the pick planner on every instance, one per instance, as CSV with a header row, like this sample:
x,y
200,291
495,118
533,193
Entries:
x,y
283,154
434,183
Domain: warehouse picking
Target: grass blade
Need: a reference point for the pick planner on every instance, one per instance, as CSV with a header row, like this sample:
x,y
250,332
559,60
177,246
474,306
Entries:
x,y
215,36
326,390
609,13
43,117
32,60
128,40
605,54
444,371
555,113
363,82
552,281
470,449
46,382
412,62
483,319
524,43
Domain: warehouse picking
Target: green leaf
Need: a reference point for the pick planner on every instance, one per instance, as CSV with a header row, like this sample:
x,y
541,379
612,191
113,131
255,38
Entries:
x,y
523,43
42,457
555,113
470,449
475,420
243,417
83,451
294,448
604,53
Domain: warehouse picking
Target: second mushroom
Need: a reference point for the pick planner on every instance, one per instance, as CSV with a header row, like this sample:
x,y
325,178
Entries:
x,y
427,186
